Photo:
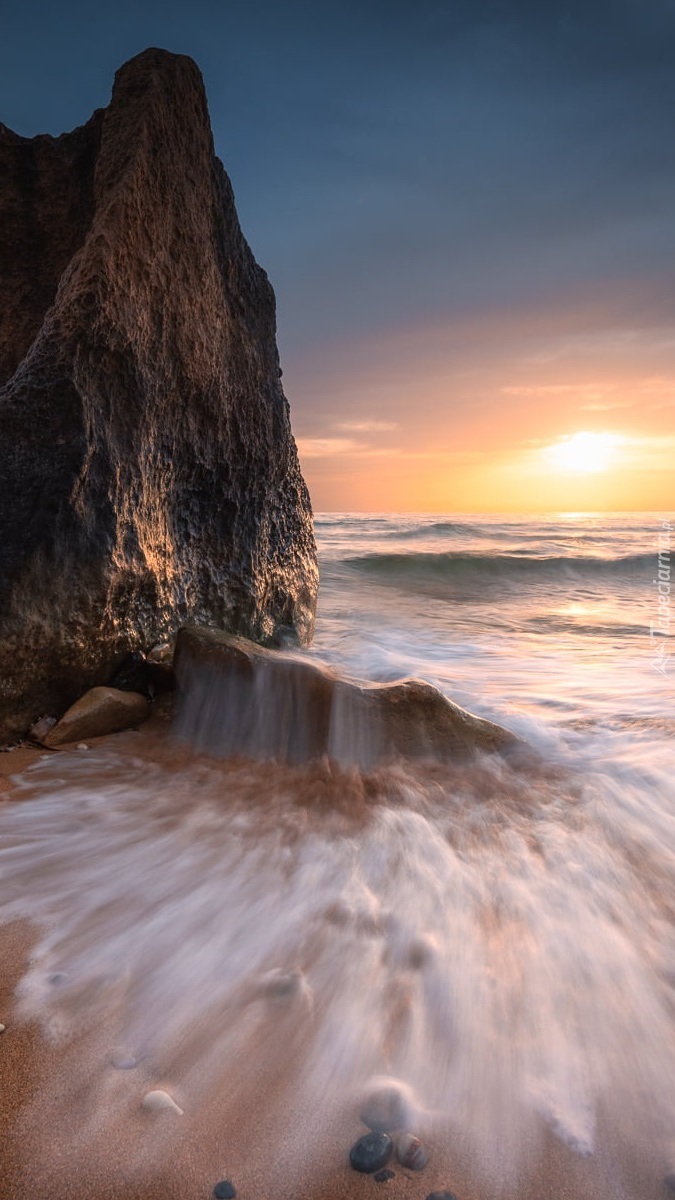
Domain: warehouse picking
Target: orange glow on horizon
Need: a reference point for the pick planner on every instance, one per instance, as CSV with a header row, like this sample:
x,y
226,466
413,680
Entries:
x,y
486,418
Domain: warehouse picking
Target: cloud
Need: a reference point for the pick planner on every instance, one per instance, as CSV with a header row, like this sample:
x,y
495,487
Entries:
x,y
366,426
325,447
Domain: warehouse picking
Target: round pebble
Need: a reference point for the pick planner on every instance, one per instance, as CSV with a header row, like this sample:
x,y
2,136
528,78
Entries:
x,y
82,746
124,1062
384,1176
225,1190
2,1028
386,1109
371,1152
157,1100
411,1152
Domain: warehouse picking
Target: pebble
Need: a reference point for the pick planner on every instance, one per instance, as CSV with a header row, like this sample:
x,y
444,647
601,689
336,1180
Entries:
x,y
411,1152
225,1190
384,1176
82,746
387,1108
157,1100
2,1028
371,1152
124,1062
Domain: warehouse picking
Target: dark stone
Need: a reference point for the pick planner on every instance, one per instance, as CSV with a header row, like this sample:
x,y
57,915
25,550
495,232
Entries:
x,y
240,698
133,675
225,1190
149,474
384,1176
385,1109
441,1196
371,1152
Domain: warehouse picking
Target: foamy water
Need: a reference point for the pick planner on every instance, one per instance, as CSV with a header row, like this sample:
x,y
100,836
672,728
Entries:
x,y
497,938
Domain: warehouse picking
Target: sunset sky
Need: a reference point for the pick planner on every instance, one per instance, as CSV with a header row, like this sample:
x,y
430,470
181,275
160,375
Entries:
x,y
467,210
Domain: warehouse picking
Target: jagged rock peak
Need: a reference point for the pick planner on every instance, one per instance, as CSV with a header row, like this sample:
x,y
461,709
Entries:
x,y
149,474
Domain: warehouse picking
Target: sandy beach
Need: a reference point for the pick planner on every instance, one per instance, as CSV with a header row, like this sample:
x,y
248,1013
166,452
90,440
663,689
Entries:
x,y
73,1127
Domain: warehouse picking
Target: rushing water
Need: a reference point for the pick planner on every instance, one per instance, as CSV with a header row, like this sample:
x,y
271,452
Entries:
x,y
497,937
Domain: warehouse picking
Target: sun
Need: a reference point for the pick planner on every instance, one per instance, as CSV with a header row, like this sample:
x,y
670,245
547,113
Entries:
x,y
582,452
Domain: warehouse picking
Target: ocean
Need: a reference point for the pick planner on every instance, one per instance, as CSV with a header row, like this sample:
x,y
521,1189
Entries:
x,y
495,940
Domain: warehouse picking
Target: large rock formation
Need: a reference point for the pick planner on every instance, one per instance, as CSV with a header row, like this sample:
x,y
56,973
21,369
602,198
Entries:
x,y
239,698
148,473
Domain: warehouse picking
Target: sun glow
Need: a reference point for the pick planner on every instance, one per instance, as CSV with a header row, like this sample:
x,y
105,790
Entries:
x,y
582,452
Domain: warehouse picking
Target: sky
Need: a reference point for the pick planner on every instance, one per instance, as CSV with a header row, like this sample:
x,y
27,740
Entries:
x,y
467,211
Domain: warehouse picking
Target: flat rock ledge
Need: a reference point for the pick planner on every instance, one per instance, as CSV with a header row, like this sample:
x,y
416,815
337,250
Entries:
x,y
236,697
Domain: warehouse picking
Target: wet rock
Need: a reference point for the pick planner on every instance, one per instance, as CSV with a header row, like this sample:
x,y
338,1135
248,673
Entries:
x,y
411,1152
371,1152
276,704
160,1101
160,667
284,987
225,1190
122,1061
41,728
420,953
387,1105
384,1176
101,710
149,474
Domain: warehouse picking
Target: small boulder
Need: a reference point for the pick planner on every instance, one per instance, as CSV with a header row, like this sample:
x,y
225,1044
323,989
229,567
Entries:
x,y
101,710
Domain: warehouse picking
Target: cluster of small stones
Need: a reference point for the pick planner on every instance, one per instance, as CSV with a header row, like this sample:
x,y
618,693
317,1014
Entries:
x,y
385,1113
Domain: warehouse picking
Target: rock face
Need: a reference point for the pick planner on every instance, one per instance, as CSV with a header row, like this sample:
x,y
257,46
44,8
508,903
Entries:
x,y
149,475
239,698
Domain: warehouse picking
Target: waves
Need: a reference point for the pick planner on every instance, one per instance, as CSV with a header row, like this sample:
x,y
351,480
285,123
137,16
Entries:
x,y
456,567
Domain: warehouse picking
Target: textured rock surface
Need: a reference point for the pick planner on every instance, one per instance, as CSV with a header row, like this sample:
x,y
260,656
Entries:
x,y
149,476
101,710
239,698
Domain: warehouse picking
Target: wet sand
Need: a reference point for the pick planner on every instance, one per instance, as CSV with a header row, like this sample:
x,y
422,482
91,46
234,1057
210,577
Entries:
x,y
48,1091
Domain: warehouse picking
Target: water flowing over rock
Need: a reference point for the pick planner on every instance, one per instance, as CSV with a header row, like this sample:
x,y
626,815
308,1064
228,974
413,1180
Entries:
x,y
149,475
239,698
